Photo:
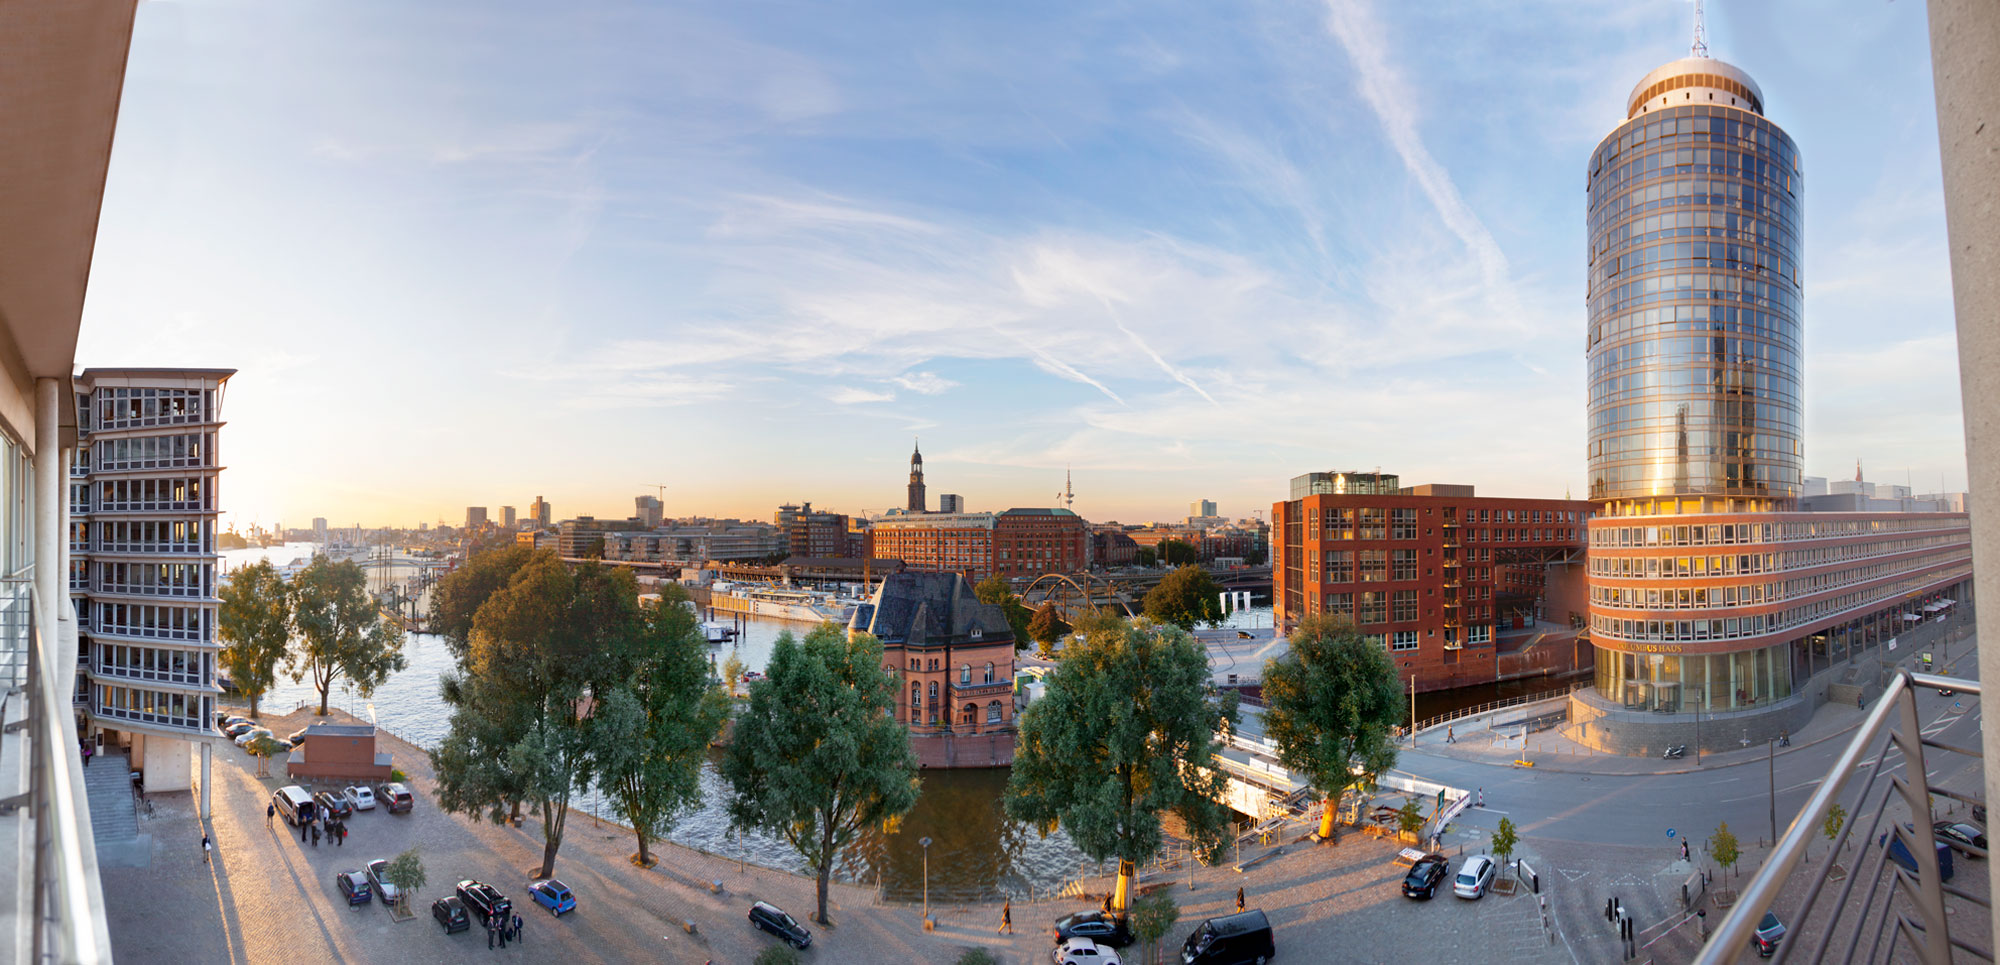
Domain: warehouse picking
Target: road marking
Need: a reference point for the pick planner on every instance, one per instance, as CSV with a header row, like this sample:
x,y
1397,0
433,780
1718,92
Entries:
x,y
1795,787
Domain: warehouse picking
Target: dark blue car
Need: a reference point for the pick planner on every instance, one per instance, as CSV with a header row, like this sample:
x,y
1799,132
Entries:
x,y
553,895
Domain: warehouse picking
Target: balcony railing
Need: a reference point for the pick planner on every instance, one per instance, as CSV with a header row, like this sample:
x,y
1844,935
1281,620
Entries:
x,y
1913,913
67,920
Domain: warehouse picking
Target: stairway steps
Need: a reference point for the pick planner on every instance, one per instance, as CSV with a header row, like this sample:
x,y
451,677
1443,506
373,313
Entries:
x,y
108,783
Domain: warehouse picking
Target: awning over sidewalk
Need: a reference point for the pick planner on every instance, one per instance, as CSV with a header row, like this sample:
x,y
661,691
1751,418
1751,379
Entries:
x,y
1913,618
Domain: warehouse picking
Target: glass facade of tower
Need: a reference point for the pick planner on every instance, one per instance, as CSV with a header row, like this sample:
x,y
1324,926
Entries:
x,y
1695,342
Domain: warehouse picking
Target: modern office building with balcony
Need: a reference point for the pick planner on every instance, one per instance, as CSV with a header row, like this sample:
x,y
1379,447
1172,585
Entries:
x,y
143,507
1712,596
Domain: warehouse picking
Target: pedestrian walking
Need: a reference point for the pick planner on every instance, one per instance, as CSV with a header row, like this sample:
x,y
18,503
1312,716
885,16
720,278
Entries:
x,y
270,811
86,753
304,826
205,849
315,834
1482,797
1239,898
503,931
1006,917
1684,850
1449,736
517,929
339,830
489,932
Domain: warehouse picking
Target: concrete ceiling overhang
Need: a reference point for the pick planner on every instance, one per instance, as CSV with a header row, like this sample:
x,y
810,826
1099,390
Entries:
x,y
62,68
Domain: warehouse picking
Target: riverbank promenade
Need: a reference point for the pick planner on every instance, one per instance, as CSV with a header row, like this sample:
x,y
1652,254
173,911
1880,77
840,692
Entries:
x,y
269,897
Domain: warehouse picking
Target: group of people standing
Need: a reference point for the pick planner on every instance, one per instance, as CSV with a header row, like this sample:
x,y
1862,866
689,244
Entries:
x,y
309,828
501,926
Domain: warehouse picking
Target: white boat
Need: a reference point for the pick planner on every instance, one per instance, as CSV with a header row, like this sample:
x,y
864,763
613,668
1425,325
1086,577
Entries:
x,y
778,603
717,633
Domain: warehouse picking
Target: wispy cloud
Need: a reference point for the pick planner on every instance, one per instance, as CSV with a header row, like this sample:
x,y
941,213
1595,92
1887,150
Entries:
x,y
850,395
925,383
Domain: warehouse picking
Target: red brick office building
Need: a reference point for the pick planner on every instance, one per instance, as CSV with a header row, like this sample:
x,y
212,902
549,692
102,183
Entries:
x,y
1016,543
1459,589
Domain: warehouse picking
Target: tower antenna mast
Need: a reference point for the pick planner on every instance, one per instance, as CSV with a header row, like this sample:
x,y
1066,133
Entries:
x,y
1700,32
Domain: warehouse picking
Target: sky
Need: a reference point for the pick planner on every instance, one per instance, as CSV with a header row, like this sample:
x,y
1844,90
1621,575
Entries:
x,y
468,253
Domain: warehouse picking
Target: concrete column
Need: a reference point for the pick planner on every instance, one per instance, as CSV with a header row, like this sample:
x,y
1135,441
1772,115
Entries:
x,y
207,751
51,543
1965,66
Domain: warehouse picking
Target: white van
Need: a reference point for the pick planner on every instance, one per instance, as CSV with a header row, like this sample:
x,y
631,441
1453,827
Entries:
x,y
295,803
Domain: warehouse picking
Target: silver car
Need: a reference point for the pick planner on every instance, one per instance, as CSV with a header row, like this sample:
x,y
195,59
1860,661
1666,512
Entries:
x,y
378,875
1474,876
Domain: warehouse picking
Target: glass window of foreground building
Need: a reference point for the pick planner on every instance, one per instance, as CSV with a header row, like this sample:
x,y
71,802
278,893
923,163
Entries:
x,y
1687,683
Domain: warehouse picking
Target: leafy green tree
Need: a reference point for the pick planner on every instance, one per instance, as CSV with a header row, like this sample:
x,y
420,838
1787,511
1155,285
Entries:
x,y
1330,703
996,590
1410,816
777,955
818,756
1835,817
265,747
655,728
456,598
520,730
1185,597
1124,733
406,872
1505,837
256,620
1047,627
1722,847
1145,556
1177,552
1153,915
341,633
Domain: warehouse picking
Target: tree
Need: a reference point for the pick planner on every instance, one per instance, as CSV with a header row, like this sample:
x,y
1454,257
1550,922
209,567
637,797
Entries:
x,y
406,872
996,590
1722,847
256,620
263,748
341,632
1185,597
1330,703
655,728
456,598
1153,915
1504,840
818,756
521,731
1410,816
1123,733
1146,557
1047,627
732,671
1835,817
1177,552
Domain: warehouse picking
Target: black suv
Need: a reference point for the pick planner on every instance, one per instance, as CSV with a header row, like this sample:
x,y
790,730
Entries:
x,y
450,912
483,899
770,919
1095,925
1425,876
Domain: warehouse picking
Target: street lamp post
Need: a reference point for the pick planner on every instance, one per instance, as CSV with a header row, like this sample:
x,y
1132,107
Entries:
x,y
925,843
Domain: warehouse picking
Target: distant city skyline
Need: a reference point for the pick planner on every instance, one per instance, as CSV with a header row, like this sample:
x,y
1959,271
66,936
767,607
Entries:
x,y
1184,253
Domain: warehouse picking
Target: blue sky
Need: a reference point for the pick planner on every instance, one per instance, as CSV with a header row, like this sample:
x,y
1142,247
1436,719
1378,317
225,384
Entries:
x,y
468,253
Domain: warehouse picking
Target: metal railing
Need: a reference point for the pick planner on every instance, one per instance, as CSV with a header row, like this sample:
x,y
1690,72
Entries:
x,y
68,923
1493,705
16,619
1913,913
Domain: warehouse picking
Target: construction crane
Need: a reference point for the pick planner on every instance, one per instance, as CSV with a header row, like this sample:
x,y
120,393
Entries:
x,y
661,488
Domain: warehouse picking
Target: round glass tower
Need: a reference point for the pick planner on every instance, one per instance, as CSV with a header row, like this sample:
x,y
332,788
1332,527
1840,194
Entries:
x,y
1694,345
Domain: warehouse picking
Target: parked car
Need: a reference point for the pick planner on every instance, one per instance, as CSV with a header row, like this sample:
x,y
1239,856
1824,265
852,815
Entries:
x,y
450,912
1425,876
354,885
1097,926
239,728
483,900
359,797
553,895
378,875
332,805
296,804
1908,862
1082,951
1230,940
1961,836
771,919
244,739
1769,931
224,721
396,797
1475,876
296,737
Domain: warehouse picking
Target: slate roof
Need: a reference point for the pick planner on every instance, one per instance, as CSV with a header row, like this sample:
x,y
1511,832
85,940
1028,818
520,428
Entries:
x,y
916,608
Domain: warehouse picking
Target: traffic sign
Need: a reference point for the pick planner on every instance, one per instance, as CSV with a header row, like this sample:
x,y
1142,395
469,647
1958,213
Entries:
x,y
1670,832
